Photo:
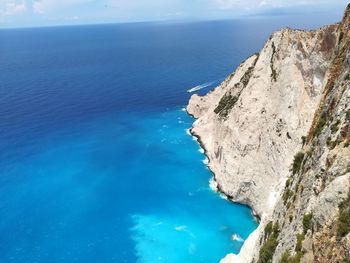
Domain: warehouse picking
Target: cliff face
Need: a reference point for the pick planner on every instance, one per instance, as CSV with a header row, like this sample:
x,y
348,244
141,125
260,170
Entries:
x,y
277,134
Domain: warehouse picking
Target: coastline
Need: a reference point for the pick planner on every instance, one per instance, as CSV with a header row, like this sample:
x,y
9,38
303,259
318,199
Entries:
x,y
246,251
218,189
252,129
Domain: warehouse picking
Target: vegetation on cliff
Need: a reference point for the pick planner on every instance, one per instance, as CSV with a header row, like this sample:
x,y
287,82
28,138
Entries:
x,y
271,242
229,100
343,227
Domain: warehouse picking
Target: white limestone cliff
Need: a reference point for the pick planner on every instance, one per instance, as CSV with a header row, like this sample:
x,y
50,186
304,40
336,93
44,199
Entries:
x,y
254,123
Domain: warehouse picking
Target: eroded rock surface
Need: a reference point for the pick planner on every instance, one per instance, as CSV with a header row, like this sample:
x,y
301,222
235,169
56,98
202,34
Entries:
x,y
292,97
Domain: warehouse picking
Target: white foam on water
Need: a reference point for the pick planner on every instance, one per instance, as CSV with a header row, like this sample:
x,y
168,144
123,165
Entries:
x,y
236,237
201,86
201,150
180,228
223,196
213,184
205,161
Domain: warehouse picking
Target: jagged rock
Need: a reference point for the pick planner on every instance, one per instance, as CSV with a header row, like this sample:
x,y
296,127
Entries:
x,y
252,127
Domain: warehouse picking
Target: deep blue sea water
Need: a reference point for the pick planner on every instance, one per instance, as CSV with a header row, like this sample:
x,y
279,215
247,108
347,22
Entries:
x,y
95,161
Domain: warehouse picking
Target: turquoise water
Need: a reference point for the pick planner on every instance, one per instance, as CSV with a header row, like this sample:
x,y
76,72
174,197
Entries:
x,y
96,164
121,188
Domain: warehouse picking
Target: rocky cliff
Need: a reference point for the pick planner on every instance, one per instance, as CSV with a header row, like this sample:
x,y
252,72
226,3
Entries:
x,y
277,135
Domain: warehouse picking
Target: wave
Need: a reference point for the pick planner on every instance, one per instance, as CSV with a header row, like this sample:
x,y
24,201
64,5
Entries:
x,y
201,86
206,161
201,150
180,228
213,184
237,238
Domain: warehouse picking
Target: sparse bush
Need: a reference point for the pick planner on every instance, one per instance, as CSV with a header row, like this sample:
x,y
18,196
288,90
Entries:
x,y
299,245
347,115
321,123
273,71
268,249
225,105
335,126
288,182
307,222
268,229
287,194
285,257
331,144
303,139
344,218
298,159
296,258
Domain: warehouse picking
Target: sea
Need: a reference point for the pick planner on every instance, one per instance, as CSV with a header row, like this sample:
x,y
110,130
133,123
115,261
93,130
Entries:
x,y
96,161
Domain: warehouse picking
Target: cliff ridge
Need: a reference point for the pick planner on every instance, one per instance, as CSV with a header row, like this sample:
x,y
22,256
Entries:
x,y
276,133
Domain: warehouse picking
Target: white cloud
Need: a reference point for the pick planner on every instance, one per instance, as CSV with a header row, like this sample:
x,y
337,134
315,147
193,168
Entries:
x,y
255,4
12,7
47,6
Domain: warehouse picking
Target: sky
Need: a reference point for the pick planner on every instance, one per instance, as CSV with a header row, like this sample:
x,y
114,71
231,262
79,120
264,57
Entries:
x,y
27,13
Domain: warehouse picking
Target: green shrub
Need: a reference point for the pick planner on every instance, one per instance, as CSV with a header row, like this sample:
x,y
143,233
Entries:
x,y
225,105
286,195
298,159
296,258
246,77
343,223
307,222
347,115
268,248
331,144
228,100
288,183
268,229
321,123
276,229
285,257
300,239
335,126
344,218
273,71
303,140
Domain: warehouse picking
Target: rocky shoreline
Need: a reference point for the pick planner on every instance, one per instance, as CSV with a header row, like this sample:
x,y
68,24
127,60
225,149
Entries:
x,y
276,133
218,189
251,240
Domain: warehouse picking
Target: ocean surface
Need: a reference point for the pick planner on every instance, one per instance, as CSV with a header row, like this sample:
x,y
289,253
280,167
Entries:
x,y
96,164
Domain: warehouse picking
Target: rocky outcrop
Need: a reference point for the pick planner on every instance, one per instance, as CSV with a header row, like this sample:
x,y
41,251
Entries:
x,y
276,133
